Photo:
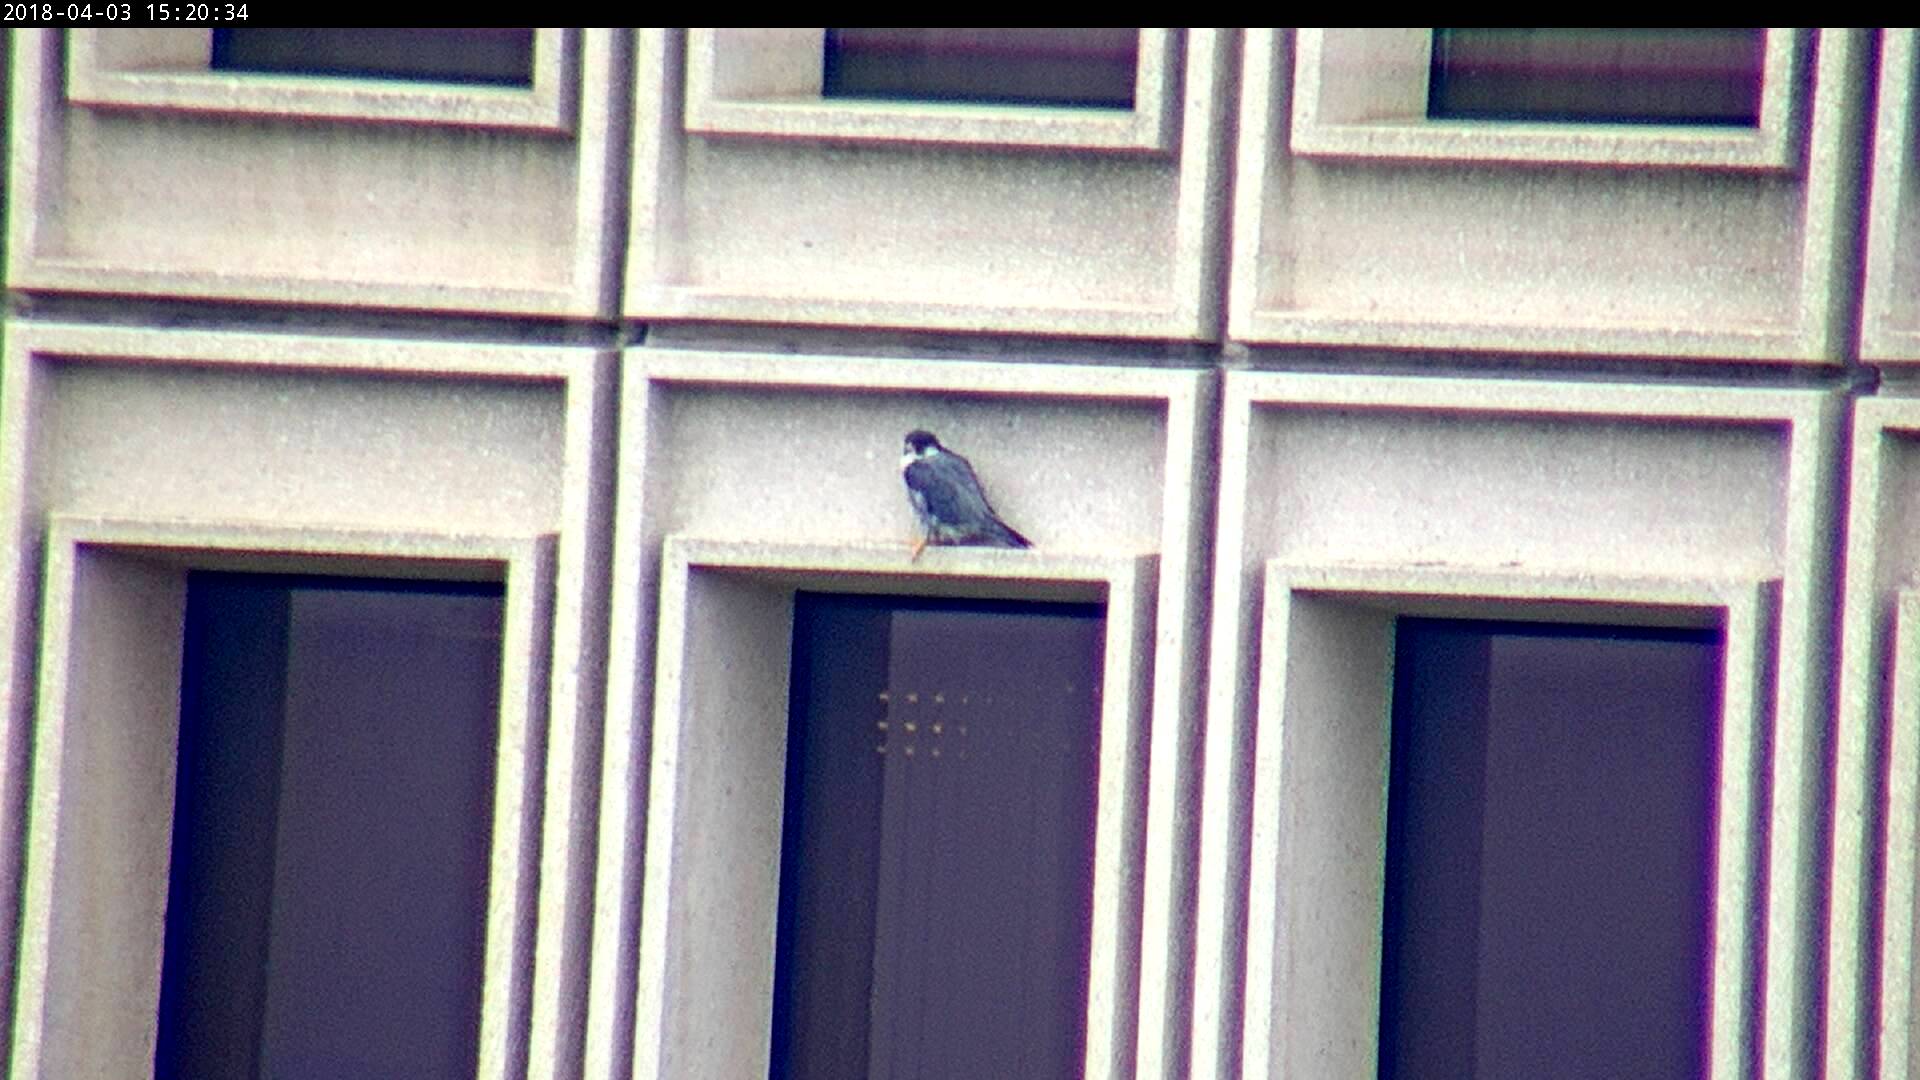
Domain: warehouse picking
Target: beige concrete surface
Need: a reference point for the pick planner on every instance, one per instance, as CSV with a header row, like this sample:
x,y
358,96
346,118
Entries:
x,y
405,196
333,432
1524,477
1619,358
975,230
1874,737
88,986
1890,316
1895,1022
169,70
1707,256
1090,462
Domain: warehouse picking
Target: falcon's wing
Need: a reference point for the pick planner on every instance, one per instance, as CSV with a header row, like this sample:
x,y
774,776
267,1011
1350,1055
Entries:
x,y
951,491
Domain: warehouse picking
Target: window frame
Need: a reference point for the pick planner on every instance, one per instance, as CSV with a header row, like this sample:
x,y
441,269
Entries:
x,y
704,998
1889,328
169,70
1362,93
111,813
1870,965
1320,772
1898,944
767,82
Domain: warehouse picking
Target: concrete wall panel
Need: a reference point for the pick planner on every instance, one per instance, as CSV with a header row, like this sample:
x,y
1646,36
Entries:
x,y
990,219
404,200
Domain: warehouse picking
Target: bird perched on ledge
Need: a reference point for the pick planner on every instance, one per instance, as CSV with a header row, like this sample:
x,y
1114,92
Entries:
x,y
947,499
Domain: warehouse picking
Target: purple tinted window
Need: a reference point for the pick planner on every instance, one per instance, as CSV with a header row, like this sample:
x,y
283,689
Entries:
x,y
447,55
1549,851
937,863
332,826
1667,75
1089,67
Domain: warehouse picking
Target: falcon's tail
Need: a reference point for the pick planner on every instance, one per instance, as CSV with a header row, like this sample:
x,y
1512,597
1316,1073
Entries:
x,y
1005,536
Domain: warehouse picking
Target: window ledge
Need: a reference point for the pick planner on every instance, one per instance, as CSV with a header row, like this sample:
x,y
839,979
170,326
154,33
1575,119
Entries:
x,y
767,83
1362,94
168,70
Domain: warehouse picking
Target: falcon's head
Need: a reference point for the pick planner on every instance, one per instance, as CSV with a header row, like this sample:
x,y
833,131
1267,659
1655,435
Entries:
x,y
920,444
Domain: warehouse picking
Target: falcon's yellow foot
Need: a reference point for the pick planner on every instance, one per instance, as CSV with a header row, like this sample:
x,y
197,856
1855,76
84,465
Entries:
x,y
919,545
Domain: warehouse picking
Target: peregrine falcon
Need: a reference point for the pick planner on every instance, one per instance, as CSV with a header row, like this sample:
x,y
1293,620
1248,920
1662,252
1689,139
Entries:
x,y
947,499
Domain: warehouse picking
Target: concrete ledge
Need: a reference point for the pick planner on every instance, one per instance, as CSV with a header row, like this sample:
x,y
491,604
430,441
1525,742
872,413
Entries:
x,y
1362,93
167,70
101,805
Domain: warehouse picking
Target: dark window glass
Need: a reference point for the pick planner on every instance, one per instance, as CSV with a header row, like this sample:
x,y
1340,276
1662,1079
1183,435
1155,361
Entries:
x,y
1087,67
326,904
1549,852
1576,75
461,55
936,868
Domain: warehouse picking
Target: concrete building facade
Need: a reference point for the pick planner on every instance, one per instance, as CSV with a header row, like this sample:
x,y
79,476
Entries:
x,y
1280,355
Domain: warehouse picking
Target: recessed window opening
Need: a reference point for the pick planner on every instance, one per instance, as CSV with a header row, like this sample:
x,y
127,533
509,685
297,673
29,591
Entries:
x,y
937,858
501,57
1549,851
327,895
1667,75
1087,67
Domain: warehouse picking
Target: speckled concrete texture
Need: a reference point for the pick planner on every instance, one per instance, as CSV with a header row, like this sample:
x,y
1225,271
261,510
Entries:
x,y
1271,345
1688,259
1894,1024
308,436
1362,94
169,70
411,196
1574,482
1890,315
1875,736
782,450
989,233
